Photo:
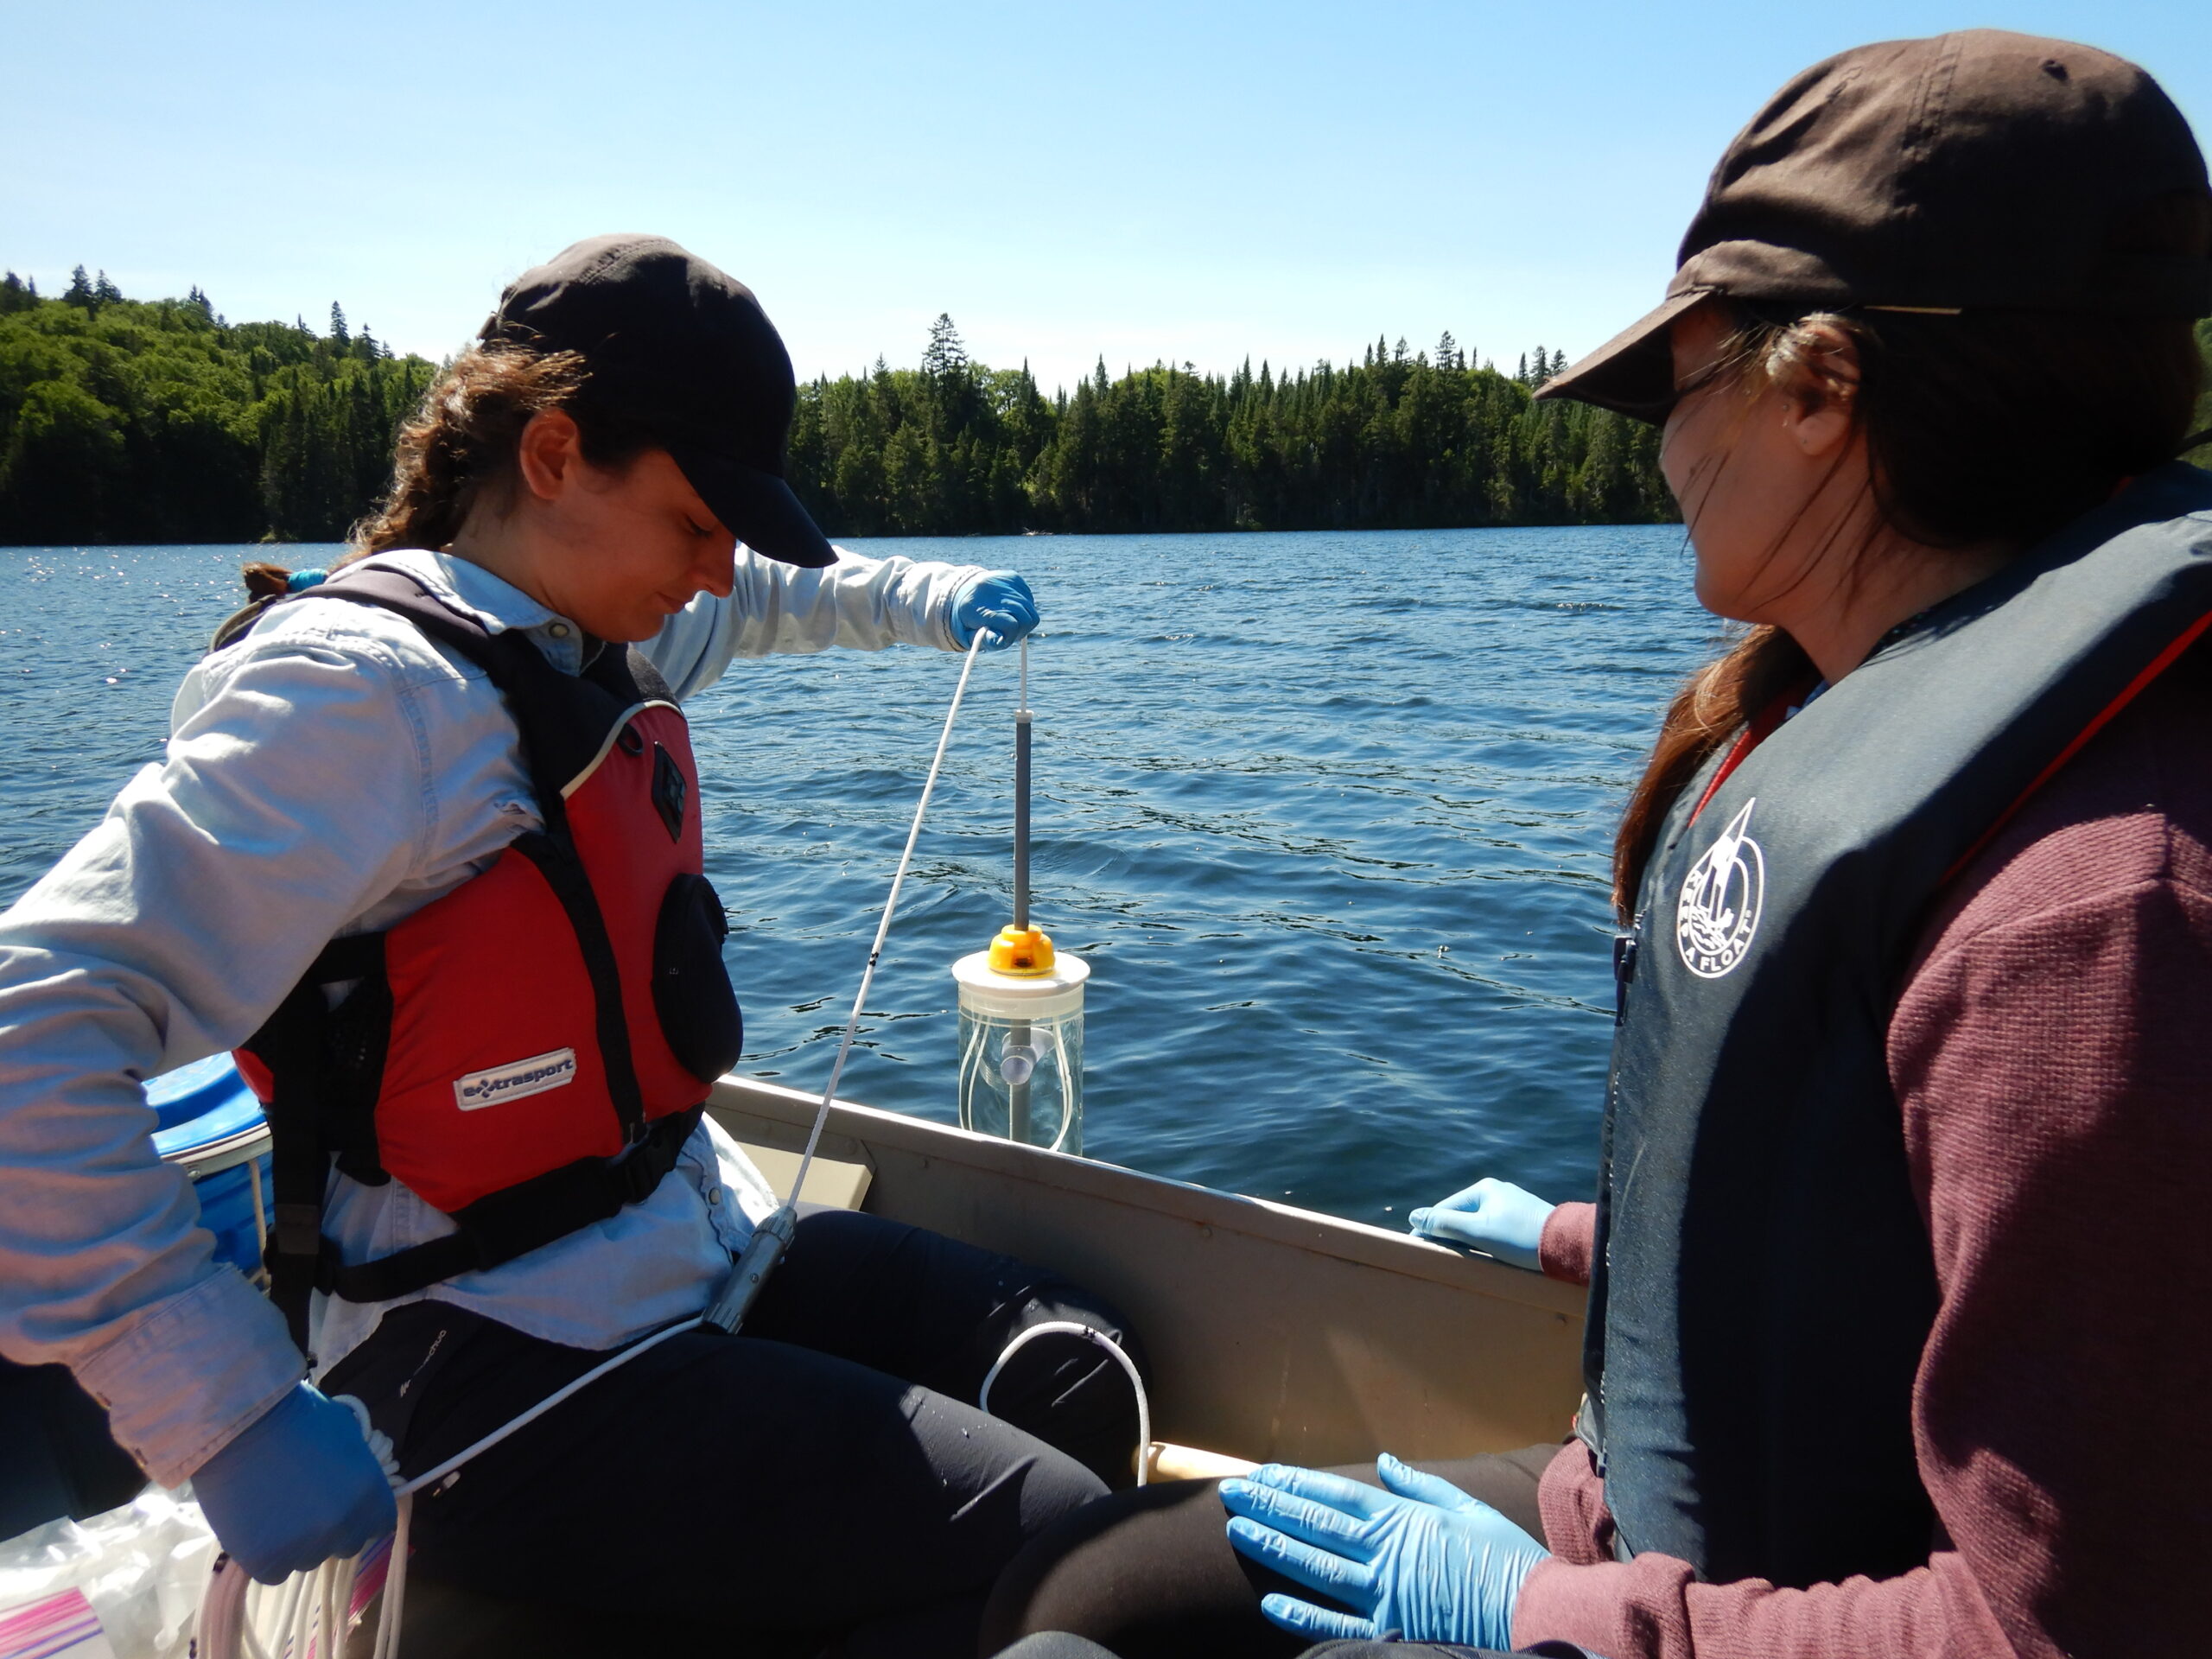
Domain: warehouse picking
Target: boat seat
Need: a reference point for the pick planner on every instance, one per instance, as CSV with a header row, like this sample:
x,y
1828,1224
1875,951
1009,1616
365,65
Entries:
x,y
830,1185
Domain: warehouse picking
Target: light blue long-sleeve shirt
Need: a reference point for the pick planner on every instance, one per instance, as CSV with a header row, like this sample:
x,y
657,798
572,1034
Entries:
x,y
331,773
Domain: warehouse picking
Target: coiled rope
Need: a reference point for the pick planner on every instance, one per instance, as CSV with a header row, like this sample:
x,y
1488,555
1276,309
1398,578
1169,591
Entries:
x,y
1090,1333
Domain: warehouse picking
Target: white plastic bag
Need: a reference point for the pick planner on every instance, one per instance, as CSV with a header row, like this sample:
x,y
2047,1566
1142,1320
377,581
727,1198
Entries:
x,y
125,1584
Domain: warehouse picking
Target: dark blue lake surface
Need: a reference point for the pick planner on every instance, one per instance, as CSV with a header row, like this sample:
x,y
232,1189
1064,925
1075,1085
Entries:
x,y
1329,815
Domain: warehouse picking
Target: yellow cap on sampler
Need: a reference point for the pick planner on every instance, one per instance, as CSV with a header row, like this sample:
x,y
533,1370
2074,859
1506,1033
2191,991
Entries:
x,y
1021,950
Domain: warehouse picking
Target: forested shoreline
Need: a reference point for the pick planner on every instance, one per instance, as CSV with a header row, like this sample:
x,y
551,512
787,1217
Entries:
x,y
160,420
1399,440
124,420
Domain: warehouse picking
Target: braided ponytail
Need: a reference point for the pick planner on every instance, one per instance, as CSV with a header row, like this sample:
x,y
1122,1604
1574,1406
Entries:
x,y
1715,704
461,443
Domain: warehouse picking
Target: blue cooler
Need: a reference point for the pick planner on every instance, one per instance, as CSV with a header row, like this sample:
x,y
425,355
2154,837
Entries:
x,y
212,1124
56,1457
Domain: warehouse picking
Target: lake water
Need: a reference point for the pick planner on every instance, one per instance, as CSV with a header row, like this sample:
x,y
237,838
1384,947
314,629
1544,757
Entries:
x,y
1328,815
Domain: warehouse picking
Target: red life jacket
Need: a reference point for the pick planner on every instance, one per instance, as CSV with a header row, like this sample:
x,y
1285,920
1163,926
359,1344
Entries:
x,y
529,1051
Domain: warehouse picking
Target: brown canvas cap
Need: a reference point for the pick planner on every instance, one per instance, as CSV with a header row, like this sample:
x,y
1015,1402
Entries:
x,y
1977,170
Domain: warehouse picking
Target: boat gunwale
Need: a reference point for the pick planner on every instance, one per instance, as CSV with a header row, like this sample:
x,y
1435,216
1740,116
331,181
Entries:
x,y
853,1126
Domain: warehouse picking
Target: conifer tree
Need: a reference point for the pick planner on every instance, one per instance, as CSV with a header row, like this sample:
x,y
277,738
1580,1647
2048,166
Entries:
x,y
945,354
338,323
79,291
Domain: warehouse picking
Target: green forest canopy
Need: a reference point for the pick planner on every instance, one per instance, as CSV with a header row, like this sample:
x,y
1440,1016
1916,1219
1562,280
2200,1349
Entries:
x,y
1396,440
128,421
159,420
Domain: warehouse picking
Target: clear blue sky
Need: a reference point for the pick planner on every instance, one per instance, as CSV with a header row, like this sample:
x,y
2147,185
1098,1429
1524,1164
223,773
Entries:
x,y
1182,180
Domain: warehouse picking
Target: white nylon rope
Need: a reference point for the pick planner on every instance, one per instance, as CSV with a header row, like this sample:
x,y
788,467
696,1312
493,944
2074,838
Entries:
x,y
883,927
1070,1328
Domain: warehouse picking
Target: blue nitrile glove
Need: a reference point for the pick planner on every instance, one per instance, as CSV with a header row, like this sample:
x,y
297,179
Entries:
x,y
298,1487
1001,604
1494,1217
1430,1562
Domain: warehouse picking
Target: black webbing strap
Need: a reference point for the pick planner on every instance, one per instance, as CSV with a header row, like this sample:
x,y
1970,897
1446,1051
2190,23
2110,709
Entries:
x,y
355,956
235,627
292,1043
289,1043
564,873
553,711
517,1219
562,721
535,693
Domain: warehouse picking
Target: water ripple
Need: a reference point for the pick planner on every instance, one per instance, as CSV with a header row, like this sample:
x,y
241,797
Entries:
x,y
1329,815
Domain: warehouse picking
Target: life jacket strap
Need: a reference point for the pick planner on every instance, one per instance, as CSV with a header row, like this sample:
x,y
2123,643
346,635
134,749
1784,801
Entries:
x,y
326,1064
516,1220
290,1046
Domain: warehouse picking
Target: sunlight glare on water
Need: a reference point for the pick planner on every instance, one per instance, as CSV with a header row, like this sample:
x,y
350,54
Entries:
x,y
1329,815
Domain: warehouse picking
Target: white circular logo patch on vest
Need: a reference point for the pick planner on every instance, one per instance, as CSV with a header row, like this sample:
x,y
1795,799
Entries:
x,y
1718,910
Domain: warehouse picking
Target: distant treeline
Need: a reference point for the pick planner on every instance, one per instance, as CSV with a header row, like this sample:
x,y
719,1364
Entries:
x,y
129,421
1396,440
158,421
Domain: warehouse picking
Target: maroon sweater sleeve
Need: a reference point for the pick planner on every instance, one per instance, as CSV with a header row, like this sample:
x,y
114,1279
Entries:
x,y
2052,1055
1569,1235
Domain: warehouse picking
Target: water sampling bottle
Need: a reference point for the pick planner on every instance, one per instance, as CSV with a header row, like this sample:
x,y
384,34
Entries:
x,y
1021,1007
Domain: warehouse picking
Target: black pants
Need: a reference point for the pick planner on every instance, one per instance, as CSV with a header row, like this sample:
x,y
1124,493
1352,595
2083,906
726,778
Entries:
x,y
1149,1573
823,1477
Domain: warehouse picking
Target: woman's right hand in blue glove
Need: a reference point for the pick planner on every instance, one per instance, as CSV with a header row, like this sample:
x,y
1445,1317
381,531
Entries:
x,y
1423,1558
299,1486
1494,1217
999,603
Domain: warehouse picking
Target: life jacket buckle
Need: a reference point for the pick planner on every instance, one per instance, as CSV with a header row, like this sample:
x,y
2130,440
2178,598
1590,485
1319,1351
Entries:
x,y
671,792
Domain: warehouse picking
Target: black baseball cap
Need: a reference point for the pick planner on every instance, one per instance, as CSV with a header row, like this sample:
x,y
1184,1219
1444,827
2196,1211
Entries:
x,y
1980,169
685,351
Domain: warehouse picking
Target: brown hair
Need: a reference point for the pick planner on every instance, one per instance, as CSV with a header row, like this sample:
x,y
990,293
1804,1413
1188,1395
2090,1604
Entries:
x,y
265,580
461,444
1994,426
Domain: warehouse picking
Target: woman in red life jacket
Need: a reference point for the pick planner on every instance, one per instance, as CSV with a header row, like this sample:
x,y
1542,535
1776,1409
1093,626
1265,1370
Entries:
x,y
1893,1278
426,851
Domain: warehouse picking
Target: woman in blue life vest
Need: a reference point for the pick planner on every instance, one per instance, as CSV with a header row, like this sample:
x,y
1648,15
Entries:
x,y
1895,1278
426,851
